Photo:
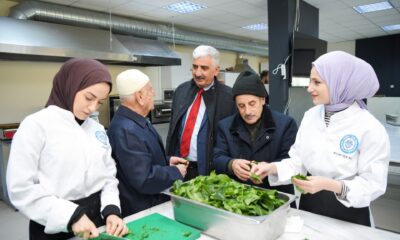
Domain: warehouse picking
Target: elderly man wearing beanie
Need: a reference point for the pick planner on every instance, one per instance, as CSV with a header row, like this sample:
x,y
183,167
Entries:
x,y
254,134
143,169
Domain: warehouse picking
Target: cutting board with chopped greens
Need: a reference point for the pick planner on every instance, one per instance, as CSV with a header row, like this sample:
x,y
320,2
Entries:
x,y
156,227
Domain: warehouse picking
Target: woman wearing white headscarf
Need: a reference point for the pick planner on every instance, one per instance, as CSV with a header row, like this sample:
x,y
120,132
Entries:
x,y
342,148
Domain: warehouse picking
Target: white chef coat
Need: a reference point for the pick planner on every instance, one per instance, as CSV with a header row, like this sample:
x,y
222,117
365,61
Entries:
x,y
52,160
354,148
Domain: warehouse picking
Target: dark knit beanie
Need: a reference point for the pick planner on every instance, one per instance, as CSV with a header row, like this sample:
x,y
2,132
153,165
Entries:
x,y
248,82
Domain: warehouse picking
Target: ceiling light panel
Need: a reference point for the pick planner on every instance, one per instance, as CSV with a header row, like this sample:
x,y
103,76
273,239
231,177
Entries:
x,y
373,7
391,27
185,7
256,27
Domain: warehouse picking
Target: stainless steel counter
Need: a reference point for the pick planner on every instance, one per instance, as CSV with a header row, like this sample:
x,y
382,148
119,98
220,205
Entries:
x,y
315,226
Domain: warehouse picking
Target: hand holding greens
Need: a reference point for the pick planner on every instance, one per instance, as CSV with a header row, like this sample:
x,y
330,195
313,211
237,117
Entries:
x,y
301,177
222,192
254,176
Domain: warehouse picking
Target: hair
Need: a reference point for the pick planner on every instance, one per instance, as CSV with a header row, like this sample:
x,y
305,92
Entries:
x,y
204,51
264,73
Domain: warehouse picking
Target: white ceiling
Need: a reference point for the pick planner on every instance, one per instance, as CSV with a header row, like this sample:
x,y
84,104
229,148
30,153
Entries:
x,y
337,19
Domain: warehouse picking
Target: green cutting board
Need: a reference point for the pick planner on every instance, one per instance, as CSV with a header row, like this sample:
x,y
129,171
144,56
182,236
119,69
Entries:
x,y
156,227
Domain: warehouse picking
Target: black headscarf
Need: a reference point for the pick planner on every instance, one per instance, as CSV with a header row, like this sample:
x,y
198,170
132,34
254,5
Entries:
x,y
74,75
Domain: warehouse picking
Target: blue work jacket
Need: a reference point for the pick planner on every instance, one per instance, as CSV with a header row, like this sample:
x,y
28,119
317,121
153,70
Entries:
x,y
143,169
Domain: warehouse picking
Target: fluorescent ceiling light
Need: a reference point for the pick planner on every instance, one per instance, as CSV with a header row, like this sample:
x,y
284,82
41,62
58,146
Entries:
x,y
256,27
185,7
373,7
391,27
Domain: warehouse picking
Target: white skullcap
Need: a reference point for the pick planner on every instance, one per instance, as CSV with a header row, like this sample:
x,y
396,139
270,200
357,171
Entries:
x,y
131,81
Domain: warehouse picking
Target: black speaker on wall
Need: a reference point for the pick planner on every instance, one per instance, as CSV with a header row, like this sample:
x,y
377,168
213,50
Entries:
x,y
383,53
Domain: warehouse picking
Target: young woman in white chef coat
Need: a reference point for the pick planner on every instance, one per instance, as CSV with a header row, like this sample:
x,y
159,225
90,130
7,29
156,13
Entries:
x,y
342,148
60,171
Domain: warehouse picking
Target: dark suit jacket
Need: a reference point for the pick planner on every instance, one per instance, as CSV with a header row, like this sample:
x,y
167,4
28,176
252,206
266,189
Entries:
x,y
219,104
276,135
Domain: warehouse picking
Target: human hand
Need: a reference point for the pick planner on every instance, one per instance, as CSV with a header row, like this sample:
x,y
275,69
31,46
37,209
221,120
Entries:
x,y
115,226
85,228
253,177
182,169
313,184
263,169
241,168
173,161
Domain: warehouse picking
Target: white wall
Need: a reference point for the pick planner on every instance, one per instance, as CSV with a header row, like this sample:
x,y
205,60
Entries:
x,y
25,85
347,46
173,76
379,106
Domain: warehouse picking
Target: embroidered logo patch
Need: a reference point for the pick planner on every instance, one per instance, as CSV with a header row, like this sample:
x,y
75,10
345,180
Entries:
x,y
349,144
102,137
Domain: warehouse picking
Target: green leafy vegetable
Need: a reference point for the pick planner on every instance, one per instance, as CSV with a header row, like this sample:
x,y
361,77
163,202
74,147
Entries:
x,y
129,234
301,177
222,192
254,176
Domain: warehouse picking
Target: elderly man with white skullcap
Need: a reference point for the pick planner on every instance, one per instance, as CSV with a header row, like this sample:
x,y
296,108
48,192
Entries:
x,y
143,169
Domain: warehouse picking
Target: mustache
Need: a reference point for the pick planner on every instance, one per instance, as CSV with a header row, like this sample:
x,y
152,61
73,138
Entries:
x,y
248,115
199,77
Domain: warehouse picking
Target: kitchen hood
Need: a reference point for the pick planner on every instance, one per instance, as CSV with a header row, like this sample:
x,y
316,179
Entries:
x,y
32,40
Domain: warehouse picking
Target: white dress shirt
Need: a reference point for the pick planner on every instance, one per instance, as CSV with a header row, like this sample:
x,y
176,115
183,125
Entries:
x,y
200,115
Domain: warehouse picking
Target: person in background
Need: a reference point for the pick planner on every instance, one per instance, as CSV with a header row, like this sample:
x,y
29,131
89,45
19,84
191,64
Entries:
x,y
143,169
340,145
255,134
60,172
264,77
197,107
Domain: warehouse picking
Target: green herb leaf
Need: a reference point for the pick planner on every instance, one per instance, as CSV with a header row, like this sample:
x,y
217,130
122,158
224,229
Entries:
x,y
301,177
255,177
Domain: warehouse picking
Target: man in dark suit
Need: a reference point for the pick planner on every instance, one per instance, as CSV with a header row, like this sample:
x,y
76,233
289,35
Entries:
x,y
254,134
197,107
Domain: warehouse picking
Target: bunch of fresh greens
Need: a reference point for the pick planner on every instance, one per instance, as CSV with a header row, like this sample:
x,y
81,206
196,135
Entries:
x,y
222,192
254,176
301,177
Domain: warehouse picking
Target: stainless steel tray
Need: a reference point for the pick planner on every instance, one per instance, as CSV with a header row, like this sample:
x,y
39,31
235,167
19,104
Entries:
x,y
223,224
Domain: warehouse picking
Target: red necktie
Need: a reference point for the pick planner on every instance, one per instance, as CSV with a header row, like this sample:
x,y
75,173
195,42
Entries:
x,y
189,126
